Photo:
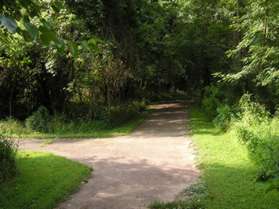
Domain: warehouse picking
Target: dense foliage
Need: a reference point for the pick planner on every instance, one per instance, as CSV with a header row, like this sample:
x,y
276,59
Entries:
x,y
259,132
93,53
90,54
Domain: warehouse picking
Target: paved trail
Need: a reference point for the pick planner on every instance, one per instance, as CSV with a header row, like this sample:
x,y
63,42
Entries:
x,y
156,162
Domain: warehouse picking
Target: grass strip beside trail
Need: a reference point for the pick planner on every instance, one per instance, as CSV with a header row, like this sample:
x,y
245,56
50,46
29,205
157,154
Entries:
x,y
43,181
94,129
227,171
228,174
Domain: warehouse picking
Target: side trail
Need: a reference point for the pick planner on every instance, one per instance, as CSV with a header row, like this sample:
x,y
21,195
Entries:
x,y
155,162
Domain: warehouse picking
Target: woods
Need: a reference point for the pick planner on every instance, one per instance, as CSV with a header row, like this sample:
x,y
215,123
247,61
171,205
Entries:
x,y
90,67
96,58
96,53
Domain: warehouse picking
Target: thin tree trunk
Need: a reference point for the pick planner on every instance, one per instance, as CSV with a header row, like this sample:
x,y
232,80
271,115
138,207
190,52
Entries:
x,y
11,102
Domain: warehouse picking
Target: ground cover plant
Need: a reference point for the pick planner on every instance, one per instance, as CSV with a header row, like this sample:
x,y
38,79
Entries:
x,y
42,181
117,121
74,129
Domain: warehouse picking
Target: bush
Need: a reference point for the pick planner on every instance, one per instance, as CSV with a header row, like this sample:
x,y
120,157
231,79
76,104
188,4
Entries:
x,y
59,124
38,121
119,114
115,115
224,116
12,128
8,149
139,106
211,101
122,113
255,128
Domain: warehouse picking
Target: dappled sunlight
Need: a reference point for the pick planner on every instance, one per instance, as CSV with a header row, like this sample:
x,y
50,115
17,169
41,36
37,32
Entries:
x,y
155,162
152,94
163,119
125,179
228,172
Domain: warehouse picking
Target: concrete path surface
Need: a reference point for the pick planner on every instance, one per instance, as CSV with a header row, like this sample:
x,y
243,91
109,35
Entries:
x,y
156,162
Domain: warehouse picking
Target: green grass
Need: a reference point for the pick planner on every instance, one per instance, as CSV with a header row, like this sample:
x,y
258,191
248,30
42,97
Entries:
x,y
227,171
43,180
70,130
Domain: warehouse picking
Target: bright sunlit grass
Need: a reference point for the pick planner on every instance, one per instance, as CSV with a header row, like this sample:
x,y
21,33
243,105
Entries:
x,y
227,172
42,181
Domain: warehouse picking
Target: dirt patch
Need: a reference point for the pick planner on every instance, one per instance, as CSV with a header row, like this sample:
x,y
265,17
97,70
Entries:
x,y
156,162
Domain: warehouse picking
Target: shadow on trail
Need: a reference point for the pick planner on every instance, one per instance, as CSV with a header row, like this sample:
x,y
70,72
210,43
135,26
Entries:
x,y
166,120
134,181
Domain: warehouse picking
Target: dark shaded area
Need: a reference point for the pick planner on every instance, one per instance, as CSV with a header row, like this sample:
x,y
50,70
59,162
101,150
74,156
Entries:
x,y
139,49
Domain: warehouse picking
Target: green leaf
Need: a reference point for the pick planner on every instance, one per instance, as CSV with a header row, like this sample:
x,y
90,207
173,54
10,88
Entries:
x,y
8,23
60,45
32,30
27,30
84,45
73,50
57,6
47,36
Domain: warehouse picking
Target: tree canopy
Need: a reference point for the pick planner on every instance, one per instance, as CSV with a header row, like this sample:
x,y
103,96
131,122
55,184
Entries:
x,y
94,52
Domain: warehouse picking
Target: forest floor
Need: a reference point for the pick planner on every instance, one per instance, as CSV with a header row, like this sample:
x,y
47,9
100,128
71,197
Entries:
x,y
155,162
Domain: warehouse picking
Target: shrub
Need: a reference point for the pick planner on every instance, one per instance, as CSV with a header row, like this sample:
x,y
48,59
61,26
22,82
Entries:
x,y
255,129
8,149
119,114
122,113
211,101
59,124
38,121
12,128
139,106
224,116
